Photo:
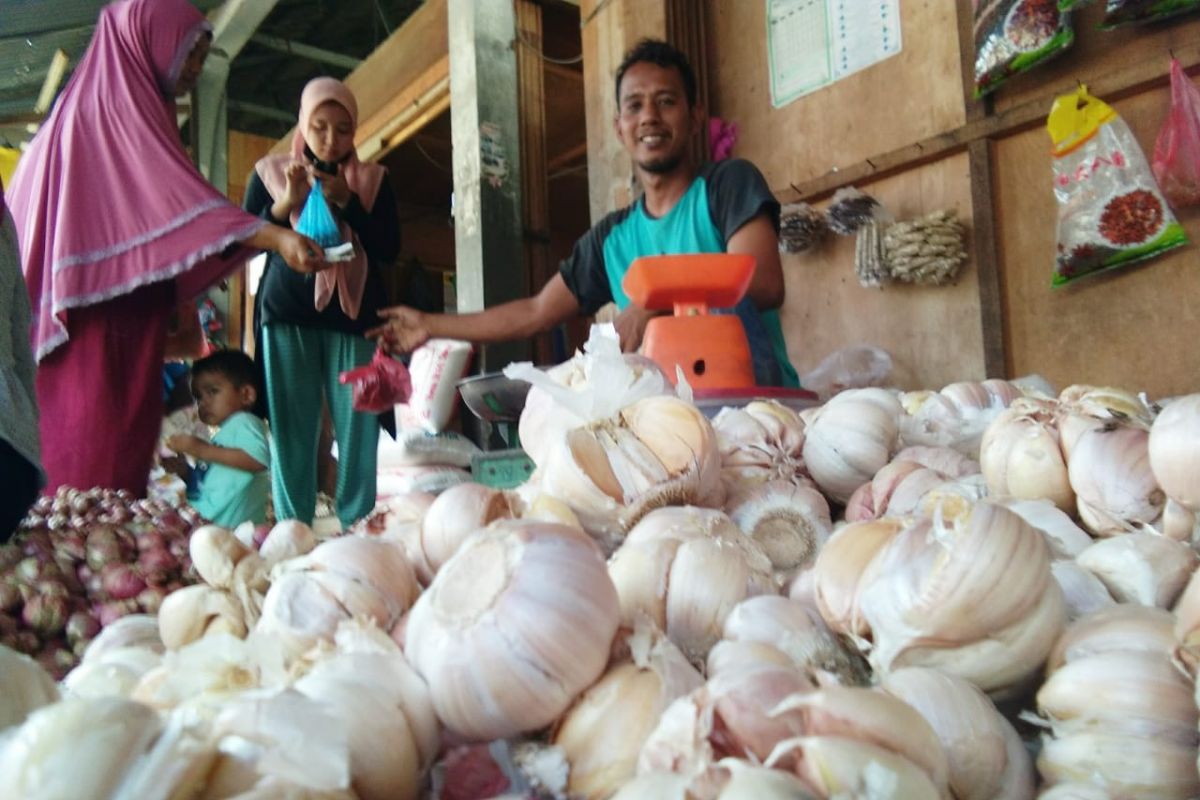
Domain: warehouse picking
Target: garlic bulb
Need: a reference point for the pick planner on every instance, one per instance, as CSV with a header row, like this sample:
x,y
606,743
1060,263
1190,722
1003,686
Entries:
x,y
206,672
1115,489
839,571
192,612
684,569
545,508
1187,625
734,714
972,596
341,579
1020,456
134,630
789,519
24,687
895,491
851,438
868,715
288,539
457,513
513,627
761,441
1083,592
397,519
1074,791
1179,523
655,452
985,757
603,732
74,745
1142,568
115,674
835,767
1175,450
215,553
1140,765
1064,537
727,655
1119,628
795,630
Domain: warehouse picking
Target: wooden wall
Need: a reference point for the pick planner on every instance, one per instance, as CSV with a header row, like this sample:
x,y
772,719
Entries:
x,y
904,132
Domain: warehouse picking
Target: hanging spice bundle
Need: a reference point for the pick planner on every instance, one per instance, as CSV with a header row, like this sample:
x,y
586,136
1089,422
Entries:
x,y
928,250
801,227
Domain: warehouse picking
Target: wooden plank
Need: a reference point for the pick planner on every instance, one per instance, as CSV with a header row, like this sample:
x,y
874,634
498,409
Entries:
x,y
1119,81
686,21
985,258
531,103
1135,327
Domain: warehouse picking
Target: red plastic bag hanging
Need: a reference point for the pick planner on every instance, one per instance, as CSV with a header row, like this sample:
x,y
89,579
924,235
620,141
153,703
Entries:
x,y
379,385
1177,151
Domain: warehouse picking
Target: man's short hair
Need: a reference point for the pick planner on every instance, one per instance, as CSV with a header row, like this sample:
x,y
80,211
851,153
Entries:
x,y
234,365
661,54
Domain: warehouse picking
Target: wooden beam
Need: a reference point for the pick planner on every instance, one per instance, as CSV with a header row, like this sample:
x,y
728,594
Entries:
x,y
987,259
563,71
307,51
566,157
426,96
1121,82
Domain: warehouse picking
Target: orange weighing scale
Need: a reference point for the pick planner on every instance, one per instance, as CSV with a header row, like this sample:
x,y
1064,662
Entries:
x,y
711,349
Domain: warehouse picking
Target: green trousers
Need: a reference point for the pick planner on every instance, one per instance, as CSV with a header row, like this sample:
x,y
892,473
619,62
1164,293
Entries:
x,y
301,364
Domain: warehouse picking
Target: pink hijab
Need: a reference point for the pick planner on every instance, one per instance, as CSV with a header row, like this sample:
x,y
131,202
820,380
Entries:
x,y
106,200
348,277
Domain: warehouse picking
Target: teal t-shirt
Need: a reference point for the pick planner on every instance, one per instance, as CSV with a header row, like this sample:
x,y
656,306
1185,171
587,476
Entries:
x,y
228,496
723,197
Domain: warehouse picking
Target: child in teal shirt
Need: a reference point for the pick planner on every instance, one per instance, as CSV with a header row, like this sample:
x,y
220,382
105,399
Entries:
x,y
234,489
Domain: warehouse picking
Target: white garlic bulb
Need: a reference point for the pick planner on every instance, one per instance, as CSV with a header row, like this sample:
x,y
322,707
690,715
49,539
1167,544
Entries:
x,y
761,441
1021,458
789,519
837,766
851,438
457,513
1083,592
839,571
24,687
795,630
684,569
1115,488
1064,537
1143,568
1175,450
1121,627
513,627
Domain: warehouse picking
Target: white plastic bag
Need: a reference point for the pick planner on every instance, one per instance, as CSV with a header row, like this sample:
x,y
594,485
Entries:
x,y
855,367
435,369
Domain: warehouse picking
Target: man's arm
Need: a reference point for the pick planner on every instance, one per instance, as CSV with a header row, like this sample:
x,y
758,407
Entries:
x,y
406,328
758,238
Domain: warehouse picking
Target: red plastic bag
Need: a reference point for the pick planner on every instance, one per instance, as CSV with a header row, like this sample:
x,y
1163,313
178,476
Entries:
x,y
380,385
1177,151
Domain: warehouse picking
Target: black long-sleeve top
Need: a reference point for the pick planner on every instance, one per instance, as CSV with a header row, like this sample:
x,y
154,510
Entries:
x,y
285,295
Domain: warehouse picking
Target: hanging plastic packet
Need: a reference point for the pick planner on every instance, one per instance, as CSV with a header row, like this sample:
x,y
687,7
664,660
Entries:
x,y
1177,150
1012,36
1128,12
379,386
1110,210
316,220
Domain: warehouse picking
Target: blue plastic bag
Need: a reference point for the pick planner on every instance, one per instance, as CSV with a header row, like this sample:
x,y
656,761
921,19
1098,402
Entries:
x,y
316,220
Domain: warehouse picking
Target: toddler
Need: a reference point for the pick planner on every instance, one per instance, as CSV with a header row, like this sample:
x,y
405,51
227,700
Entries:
x,y
234,489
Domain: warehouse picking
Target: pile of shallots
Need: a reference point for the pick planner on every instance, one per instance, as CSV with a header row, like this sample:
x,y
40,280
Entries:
x,y
80,561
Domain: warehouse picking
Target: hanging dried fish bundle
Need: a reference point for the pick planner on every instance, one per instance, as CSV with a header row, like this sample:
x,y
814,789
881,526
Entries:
x,y
801,227
869,258
850,210
928,250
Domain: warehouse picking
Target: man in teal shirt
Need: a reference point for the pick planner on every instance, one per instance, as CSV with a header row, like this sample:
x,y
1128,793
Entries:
x,y
715,208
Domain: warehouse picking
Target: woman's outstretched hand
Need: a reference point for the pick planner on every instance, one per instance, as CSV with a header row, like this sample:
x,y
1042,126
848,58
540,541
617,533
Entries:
x,y
404,331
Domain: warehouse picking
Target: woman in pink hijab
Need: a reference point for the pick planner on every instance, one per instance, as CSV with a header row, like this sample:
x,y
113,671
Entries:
x,y
312,326
115,227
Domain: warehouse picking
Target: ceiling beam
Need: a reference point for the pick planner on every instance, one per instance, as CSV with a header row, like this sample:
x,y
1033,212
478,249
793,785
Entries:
x,y
306,51
259,110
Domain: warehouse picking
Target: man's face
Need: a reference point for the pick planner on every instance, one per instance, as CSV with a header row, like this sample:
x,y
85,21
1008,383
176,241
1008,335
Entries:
x,y
654,120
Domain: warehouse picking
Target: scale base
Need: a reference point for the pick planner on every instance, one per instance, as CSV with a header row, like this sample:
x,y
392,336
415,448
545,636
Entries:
x,y
501,469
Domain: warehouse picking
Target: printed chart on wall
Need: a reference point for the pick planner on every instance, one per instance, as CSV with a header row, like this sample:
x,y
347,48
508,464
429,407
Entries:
x,y
813,43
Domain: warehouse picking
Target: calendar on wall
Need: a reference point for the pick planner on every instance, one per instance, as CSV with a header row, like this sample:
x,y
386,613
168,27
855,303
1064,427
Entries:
x,y
813,43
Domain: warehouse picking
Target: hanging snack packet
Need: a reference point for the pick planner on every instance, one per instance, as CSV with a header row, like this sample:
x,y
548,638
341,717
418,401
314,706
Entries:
x,y
1177,150
1125,12
1110,211
1012,36
316,220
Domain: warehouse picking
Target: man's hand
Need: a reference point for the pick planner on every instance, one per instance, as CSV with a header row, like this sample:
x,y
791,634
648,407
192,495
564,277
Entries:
x,y
300,252
404,331
186,445
631,325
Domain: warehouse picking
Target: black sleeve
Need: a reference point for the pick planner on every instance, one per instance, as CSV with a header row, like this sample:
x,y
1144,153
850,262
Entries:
x,y
737,193
379,228
258,201
583,271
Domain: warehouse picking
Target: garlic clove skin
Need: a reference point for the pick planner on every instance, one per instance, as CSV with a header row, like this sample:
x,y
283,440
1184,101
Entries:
x,y
727,656
1179,523
945,460
982,761
513,627
790,520
288,539
1142,568
851,438
1065,538
1175,450
1115,488
1083,592
215,552
1187,626
795,630
187,614
839,570
1127,766
834,766
457,513
871,716
1121,627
